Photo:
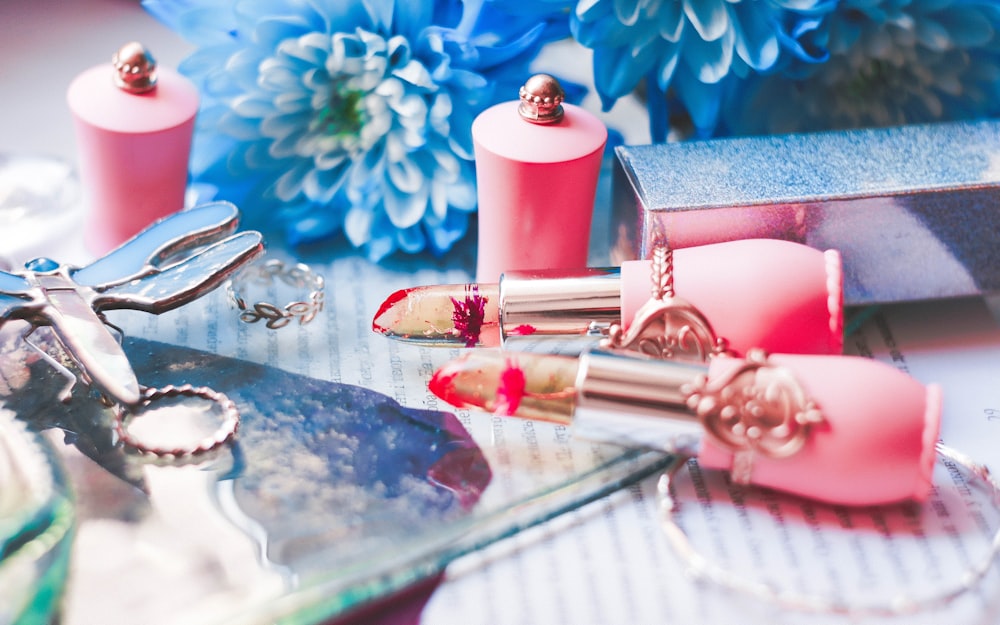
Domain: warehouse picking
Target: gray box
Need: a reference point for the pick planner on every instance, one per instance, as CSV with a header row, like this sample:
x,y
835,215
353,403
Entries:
x,y
914,210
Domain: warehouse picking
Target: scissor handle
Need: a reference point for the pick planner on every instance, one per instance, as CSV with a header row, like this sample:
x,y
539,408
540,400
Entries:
x,y
14,294
186,280
159,243
12,284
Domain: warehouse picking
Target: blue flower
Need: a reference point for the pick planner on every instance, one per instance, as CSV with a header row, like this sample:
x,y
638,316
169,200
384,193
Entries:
x,y
321,116
693,47
891,62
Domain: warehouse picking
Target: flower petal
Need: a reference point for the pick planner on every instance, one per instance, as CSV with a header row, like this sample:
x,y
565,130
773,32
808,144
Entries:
x,y
709,17
416,74
702,100
270,31
492,55
405,209
670,21
357,226
284,124
668,65
411,240
710,60
756,40
311,49
615,73
968,26
462,195
292,102
380,246
321,186
449,231
628,12
289,185
238,127
252,106
439,199
311,105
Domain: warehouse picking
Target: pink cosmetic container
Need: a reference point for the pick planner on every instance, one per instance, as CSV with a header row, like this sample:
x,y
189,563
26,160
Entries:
x,y
876,444
840,429
777,295
537,165
134,123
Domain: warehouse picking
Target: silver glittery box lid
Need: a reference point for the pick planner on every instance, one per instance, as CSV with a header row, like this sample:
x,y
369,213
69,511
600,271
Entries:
x,y
914,210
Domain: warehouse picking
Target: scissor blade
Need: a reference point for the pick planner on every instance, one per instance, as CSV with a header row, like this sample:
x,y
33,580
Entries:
x,y
168,237
184,281
89,343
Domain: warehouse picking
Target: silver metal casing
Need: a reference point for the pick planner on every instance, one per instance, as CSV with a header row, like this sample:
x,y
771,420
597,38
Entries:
x,y
638,402
551,306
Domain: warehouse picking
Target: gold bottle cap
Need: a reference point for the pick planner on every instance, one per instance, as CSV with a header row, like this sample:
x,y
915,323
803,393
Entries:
x,y
135,68
541,100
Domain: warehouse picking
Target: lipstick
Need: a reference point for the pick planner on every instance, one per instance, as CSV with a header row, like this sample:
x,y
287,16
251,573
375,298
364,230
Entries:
x,y
841,429
777,295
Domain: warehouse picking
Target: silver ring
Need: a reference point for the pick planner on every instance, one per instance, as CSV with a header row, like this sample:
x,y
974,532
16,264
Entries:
x,y
266,274
226,432
703,569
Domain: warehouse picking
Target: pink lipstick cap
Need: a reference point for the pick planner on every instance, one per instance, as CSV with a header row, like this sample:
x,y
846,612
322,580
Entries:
x,y
537,165
780,296
134,124
877,442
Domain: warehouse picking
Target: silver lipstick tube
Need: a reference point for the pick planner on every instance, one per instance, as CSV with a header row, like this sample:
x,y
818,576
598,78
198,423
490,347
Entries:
x,y
637,402
559,305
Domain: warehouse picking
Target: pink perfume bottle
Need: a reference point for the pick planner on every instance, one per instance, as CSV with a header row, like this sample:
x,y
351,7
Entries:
x,y
134,123
537,165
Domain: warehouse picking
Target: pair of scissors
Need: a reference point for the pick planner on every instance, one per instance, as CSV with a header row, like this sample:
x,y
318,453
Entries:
x,y
172,262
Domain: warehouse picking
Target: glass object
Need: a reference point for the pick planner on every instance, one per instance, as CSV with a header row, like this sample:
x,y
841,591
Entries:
x,y
348,482
36,522
40,209
333,496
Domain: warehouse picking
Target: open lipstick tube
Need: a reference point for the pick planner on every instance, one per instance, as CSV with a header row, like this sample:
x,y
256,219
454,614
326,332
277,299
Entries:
x,y
776,295
840,429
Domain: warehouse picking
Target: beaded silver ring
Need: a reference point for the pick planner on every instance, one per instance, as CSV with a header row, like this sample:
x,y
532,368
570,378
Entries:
x,y
263,275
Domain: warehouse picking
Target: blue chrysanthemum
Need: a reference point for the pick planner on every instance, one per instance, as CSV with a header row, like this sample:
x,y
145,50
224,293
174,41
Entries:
x,y
891,62
692,47
326,115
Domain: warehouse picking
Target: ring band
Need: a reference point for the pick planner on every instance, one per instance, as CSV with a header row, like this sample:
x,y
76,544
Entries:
x,y
225,433
703,569
299,276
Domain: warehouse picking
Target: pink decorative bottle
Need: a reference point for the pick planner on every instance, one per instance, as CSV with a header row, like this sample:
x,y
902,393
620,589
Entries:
x,y
134,123
537,165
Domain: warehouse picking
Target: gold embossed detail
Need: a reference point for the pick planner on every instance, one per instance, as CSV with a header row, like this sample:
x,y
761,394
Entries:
x,y
667,326
662,272
757,408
